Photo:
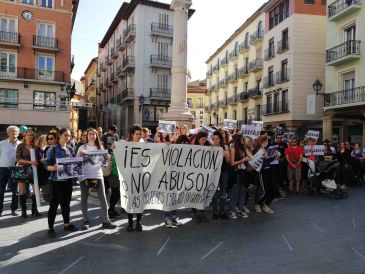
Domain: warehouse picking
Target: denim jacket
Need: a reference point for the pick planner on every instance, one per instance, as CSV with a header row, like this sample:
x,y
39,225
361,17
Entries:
x,y
55,153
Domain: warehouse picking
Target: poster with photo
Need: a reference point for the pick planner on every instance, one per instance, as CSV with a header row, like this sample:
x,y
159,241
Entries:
x,y
94,159
68,168
230,124
166,126
209,131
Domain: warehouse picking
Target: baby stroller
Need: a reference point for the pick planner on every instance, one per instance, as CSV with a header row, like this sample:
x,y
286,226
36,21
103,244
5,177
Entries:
x,y
322,178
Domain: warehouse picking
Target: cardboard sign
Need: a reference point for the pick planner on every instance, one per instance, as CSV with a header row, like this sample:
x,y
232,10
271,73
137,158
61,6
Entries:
x,y
312,134
166,126
251,131
230,124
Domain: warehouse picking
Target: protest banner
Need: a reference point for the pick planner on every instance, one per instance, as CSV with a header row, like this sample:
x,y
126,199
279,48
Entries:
x,y
68,168
167,177
230,124
258,160
258,124
288,136
312,134
209,131
94,159
252,131
166,126
316,150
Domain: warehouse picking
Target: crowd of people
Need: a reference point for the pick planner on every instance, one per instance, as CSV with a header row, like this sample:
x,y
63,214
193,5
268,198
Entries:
x,y
283,171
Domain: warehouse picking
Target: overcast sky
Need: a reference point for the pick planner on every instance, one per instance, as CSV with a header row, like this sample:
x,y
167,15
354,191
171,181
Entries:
x,y
211,25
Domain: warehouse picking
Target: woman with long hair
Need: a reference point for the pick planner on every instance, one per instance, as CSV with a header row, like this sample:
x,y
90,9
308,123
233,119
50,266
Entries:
x,y
93,178
25,165
61,189
221,193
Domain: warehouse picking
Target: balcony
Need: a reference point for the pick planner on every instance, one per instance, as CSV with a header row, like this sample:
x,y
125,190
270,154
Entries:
x,y
46,43
282,46
120,44
269,53
244,46
38,75
160,93
102,67
243,96
128,94
216,68
159,61
224,62
345,98
209,73
212,88
222,103
232,77
242,72
214,106
128,64
164,30
340,8
223,83
233,100
108,61
108,82
255,65
10,39
344,52
208,108
282,76
114,53
256,37
119,72
254,92
269,81
129,33
233,55
276,108
114,78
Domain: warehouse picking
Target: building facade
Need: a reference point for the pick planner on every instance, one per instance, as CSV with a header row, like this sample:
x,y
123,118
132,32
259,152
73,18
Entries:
x,y
35,52
89,83
134,66
344,99
196,101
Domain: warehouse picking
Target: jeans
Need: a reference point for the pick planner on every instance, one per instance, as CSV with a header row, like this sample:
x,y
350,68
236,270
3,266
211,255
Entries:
x,y
114,198
5,178
238,192
221,193
61,195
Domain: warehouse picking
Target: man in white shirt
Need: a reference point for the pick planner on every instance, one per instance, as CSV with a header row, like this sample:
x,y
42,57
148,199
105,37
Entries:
x,y
7,164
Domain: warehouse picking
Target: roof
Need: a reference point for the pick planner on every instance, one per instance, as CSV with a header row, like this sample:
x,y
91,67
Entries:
x,y
127,9
238,31
94,60
197,87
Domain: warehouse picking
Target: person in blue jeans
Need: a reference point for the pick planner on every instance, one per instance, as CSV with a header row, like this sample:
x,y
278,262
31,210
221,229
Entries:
x,y
7,163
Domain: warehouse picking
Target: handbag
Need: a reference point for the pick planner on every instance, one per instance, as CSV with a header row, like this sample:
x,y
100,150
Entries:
x,y
107,169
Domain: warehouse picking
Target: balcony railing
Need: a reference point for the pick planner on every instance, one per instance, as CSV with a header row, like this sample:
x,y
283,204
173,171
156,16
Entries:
x,y
282,46
282,76
214,106
160,61
120,44
216,68
224,62
9,38
232,77
45,42
341,6
244,96
233,54
223,83
254,92
244,46
129,33
128,63
113,77
162,29
269,81
243,71
222,103
114,53
350,48
232,100
269,53
257,36
213,88
275,108
160,93
345,97
127,93
31,74
255,65
209,73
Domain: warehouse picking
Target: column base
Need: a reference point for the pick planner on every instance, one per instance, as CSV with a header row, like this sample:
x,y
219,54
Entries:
x,y
180,115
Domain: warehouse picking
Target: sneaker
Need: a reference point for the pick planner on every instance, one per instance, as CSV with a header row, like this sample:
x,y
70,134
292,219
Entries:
x,y
224,216
246,210
258,208
108,225
241,214
196,218
267,209
138,227
113,214
175,222
215,216
233,215
85,225
203,218
70,228
168,223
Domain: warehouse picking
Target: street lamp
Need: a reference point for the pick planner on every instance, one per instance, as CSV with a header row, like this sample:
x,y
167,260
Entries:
x,y
317,86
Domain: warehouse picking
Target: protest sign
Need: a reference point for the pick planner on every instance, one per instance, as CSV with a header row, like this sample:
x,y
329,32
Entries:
x,y
312,134
258,124
252,131
258,160
279,130
167,177
314,150
272,151
94,159
288,136
166,126
209,131
230,124
68,168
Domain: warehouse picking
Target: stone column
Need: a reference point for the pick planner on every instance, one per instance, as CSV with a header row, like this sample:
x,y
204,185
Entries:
x,y
178,110
327,127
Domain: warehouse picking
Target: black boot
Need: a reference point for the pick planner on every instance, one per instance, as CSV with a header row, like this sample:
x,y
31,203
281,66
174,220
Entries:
x,y
35,212
23,205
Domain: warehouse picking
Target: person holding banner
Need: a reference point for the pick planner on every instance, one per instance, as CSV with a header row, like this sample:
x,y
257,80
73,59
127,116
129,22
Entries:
x,y
61,189
93,176
24,173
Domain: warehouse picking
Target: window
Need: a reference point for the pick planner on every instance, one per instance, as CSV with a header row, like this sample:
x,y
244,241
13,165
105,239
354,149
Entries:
x,y
350,33
7,64
309,2
163,20
235,115
46,3
276,102
284,71
45,35
258,113
285,39
279,14
271,52
189,101
162,81
8,24
271,76
247,39
259,27
245,115
268,104
163,49
200,103
44,100
235,90
30,2
246,86
45,67
258,84
12,98
225,115
348,80
284,100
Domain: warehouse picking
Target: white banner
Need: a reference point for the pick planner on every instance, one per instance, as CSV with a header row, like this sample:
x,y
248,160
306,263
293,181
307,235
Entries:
x,y
167,177
258,160
314,150
68,168
312,134
252,131
230,124
166,126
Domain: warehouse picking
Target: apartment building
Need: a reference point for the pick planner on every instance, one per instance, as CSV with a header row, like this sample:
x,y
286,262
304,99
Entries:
x,y
234,76
89,83
35,52
294,41
344,98
196,101
134,66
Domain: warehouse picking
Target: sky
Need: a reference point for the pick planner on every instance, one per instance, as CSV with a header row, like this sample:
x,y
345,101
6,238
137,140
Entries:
x,y
212,24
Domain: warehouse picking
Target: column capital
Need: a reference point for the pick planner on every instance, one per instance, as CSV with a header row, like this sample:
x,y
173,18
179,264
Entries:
x,y
181,4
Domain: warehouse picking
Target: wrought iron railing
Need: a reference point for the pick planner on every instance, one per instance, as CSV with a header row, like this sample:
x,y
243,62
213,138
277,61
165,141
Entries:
x,y
351,47
344,97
